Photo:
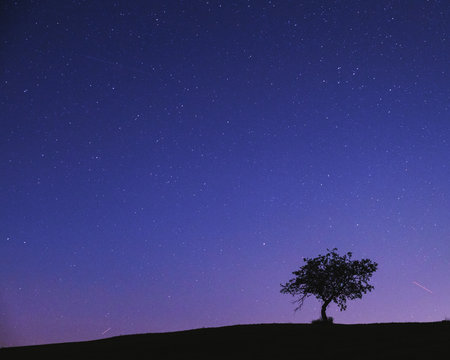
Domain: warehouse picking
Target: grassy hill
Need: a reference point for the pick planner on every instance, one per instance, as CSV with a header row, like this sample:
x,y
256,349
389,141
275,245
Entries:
x,y
261,341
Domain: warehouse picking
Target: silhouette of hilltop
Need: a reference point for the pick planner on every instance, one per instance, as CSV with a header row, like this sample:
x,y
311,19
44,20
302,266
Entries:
x,y
261,341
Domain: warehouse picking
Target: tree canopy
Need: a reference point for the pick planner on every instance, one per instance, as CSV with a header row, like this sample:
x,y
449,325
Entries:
x,y
331,278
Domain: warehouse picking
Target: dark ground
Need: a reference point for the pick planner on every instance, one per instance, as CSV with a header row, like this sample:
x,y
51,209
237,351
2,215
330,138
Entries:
x,y
267,341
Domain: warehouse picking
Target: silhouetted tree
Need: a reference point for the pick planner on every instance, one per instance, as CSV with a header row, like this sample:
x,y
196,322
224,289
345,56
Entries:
x,y
331,277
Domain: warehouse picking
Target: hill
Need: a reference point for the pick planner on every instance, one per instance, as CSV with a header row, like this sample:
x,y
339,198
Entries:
x,y
267,341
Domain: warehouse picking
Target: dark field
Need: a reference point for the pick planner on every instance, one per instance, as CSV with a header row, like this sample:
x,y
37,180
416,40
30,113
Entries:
x,y
267,341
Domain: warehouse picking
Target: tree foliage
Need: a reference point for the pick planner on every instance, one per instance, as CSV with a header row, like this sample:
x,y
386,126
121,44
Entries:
x,y
331,278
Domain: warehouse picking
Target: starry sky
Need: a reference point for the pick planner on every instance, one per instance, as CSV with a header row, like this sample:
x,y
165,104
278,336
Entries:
x,y
165,165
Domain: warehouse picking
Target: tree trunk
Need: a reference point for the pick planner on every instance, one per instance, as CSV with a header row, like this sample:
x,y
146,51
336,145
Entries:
x,y
324,309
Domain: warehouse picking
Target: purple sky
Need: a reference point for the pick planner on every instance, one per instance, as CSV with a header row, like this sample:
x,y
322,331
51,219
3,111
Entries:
x,y
165,165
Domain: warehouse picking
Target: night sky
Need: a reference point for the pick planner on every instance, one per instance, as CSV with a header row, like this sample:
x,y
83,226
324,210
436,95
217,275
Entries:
x,y
165,165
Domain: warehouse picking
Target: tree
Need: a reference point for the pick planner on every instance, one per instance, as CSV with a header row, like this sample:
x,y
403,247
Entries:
x,y
331,278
